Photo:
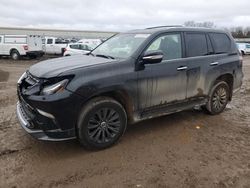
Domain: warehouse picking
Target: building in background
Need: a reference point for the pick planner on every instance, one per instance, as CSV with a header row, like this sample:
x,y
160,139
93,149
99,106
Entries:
x,y
56,33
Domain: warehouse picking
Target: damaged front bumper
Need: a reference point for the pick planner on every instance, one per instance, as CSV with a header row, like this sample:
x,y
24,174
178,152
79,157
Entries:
x,y
40,134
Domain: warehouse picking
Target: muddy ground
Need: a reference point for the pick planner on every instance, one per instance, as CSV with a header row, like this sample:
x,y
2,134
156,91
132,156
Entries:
x,y
187,149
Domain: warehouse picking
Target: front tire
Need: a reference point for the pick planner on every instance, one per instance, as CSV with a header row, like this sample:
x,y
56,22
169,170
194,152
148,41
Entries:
x,y
218,98
101,123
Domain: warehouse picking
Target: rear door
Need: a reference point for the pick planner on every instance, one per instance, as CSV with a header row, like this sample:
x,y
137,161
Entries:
x,y
35,43
201,60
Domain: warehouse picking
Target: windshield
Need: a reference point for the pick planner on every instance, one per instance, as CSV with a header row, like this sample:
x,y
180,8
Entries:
x,y
120,46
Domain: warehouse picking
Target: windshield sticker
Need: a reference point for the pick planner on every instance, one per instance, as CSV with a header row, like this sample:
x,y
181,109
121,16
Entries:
x,y
141,35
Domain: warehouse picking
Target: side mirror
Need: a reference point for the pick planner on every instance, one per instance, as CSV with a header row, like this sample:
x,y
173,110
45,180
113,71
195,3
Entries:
x,y
152,57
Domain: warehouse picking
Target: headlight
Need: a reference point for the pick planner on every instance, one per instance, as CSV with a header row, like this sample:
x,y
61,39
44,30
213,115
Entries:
x,y
22,77
57,87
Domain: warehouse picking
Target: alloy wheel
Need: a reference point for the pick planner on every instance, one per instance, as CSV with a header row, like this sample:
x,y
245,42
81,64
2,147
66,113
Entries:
x,y
104,125
219,99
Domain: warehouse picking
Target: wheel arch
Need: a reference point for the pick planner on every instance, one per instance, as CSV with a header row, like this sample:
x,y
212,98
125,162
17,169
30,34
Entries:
x,y
121,96
13,49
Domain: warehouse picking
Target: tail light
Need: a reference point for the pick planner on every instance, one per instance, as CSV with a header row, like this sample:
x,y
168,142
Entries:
x,y
25,47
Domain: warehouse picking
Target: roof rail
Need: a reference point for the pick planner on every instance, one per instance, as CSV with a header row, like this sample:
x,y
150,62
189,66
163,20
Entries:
x,y
162,26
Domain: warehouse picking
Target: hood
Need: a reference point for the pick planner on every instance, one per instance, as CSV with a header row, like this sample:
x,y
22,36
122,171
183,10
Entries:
x,y
54,67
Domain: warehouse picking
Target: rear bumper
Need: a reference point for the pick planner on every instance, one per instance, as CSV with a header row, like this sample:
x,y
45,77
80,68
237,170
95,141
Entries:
x,y
46,135
35,53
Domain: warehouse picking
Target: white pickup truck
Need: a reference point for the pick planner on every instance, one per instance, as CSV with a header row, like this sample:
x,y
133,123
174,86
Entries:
x,y
54,45
21,45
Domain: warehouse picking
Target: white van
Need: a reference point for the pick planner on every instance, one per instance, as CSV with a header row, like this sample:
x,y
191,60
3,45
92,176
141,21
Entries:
x,y
21,45
54,46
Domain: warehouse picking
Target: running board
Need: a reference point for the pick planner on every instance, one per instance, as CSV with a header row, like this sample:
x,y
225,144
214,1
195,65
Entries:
x,y
171,108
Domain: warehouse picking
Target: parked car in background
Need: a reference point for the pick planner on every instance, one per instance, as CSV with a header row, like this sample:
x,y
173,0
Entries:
x,y
244,48
71,40
21,45
54,45
91,42
76,48
131,77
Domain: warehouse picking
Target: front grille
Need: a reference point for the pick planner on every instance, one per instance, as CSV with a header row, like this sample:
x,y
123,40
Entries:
x,y
23,113
27,108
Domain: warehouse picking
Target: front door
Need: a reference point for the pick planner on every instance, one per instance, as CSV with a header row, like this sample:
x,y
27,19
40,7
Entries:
x,y
163,83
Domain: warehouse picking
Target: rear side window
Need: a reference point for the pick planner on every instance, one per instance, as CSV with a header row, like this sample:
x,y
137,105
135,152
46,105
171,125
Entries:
x,y
60,41
196,44
0,39
84,47
74,46
221,42
49,41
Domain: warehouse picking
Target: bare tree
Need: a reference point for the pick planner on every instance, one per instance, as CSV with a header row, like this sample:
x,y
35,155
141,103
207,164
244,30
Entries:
x,y
199,24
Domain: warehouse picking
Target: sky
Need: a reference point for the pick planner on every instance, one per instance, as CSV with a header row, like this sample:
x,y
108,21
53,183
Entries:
x,y
121,15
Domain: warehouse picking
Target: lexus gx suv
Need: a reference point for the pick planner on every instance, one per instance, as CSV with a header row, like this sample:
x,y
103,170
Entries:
x,y
131,77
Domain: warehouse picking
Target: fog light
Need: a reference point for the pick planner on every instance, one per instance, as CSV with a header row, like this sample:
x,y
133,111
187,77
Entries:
x,y
46,114
30,125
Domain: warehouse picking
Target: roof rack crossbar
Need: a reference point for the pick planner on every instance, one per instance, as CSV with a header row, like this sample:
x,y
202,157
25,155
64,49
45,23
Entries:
x,y
164,26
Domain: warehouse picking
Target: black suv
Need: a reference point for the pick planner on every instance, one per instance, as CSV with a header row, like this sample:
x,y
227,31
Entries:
x,y
131,77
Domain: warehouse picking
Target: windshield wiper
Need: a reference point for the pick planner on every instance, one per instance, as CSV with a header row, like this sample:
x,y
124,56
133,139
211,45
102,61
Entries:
x,y
90,53
105,56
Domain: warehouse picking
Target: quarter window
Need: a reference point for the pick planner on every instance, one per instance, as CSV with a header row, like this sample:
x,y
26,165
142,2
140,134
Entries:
x,y
221,42
196,44
169,44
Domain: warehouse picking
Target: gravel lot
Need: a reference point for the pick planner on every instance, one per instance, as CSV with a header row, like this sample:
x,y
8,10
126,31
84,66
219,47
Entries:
x,y
187,149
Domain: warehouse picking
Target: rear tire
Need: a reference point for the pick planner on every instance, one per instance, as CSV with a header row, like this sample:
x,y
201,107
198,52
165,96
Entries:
x,y
101,123
218,98
15,55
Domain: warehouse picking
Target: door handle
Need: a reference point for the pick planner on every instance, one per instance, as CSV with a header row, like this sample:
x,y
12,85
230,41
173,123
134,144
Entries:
x,y
181,68
214,63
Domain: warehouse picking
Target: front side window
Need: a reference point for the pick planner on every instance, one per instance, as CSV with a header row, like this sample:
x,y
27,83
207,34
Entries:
x,y
121,45
0,39
169,44
196,44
